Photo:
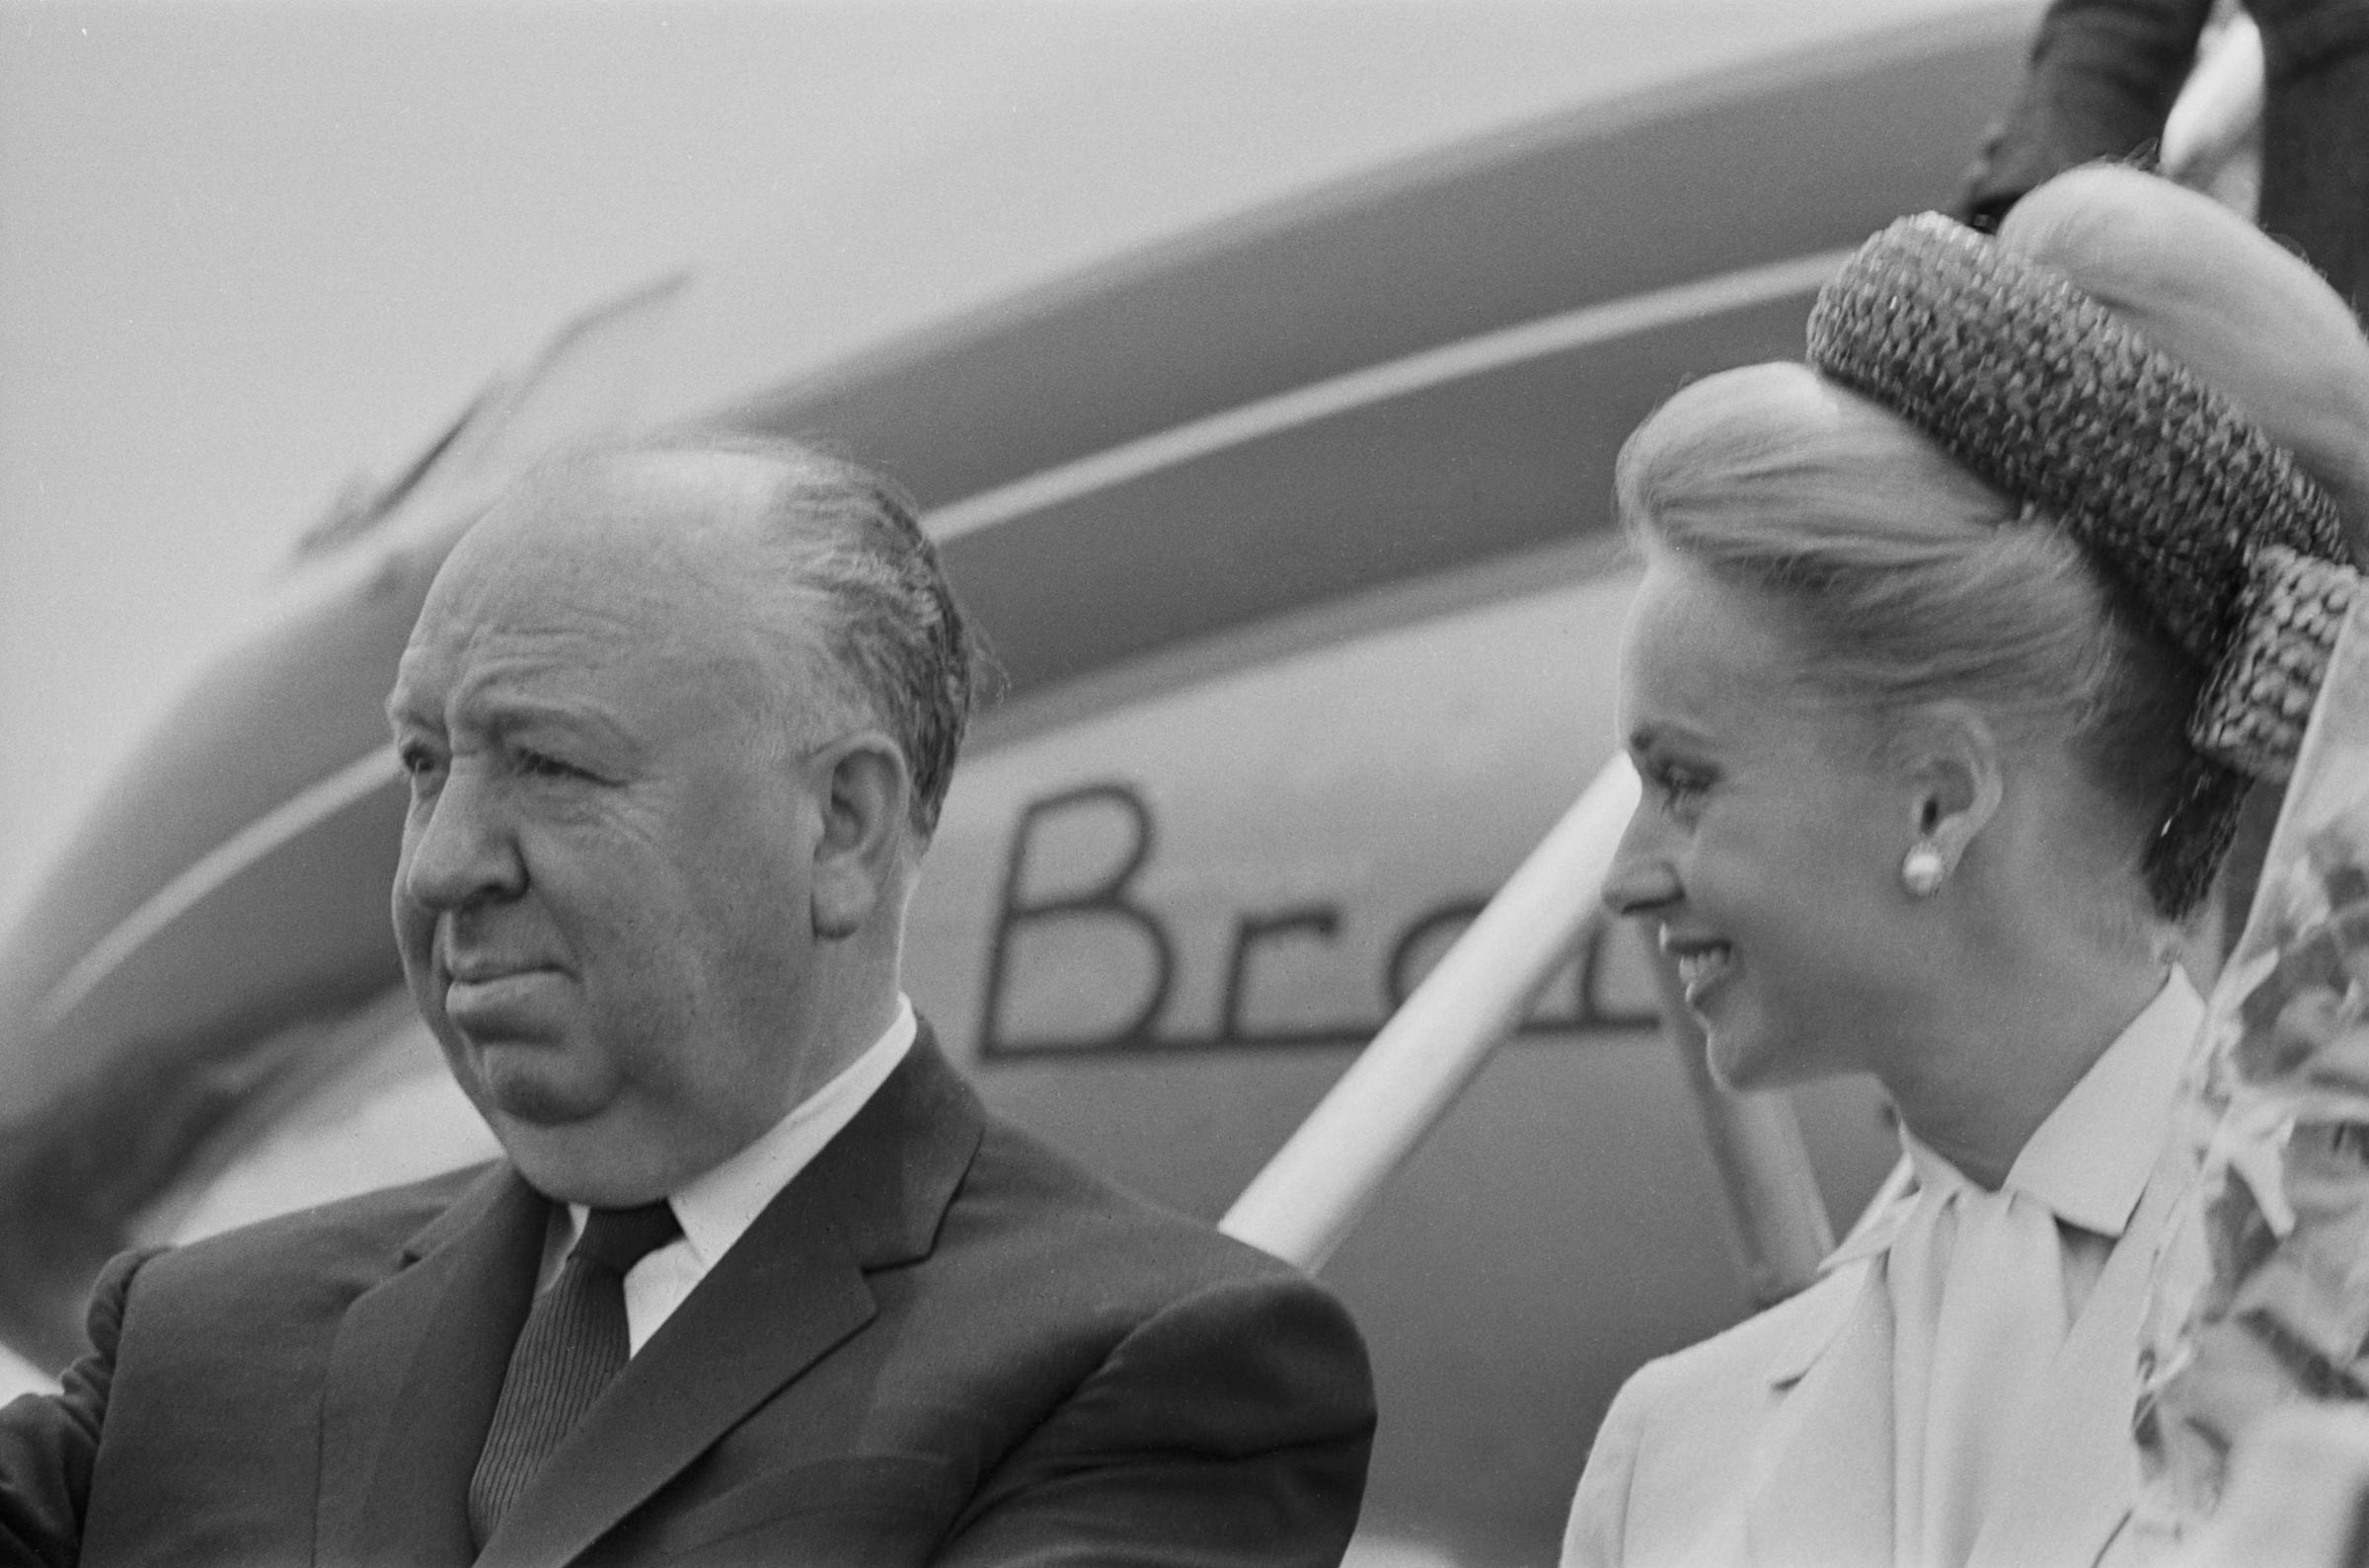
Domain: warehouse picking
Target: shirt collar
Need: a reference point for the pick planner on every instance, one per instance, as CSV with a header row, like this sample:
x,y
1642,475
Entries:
x,y
2090,1161
716,1206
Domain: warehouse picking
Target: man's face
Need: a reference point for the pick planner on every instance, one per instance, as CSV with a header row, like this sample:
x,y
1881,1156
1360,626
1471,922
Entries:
x,y
603,901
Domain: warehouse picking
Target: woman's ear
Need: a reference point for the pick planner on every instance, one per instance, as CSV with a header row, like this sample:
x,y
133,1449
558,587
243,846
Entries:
x,y
864,791
1954,778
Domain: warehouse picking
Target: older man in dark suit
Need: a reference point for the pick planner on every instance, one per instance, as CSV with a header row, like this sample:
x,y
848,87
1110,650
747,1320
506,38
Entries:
x,y
759,1280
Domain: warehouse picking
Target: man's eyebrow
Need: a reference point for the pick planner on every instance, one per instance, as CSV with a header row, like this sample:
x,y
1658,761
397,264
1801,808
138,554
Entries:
x,y
508,714
512,716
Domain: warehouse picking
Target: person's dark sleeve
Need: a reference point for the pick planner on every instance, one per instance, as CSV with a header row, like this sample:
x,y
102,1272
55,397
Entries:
x,y
2315,192
1232,1428
2103,76
48,1442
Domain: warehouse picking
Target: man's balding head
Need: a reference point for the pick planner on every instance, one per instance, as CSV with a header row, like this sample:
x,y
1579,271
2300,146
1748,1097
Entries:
x,y
677,720
820,556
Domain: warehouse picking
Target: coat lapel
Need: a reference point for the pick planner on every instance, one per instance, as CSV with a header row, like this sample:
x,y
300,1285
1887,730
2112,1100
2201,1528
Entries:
x,y
2078,1476
413,1375
790,1290
1822,1488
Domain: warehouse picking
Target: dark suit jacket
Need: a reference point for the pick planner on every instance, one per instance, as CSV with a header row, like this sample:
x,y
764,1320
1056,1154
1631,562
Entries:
x,y
942,1343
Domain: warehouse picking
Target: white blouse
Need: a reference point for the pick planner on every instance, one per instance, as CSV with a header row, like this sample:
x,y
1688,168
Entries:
x,y
1984,1286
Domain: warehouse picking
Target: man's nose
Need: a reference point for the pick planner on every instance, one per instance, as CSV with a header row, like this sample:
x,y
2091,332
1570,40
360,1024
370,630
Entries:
x,y
459,847
1643,876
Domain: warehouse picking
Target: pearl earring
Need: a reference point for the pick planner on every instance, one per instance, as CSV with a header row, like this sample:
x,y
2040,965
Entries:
x,y
1922,872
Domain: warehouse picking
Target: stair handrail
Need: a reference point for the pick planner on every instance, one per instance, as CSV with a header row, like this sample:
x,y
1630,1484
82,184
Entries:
x,y
1328,1175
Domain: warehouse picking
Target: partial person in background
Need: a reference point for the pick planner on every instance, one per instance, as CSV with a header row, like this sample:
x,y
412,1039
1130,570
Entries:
x,y
2106,74
759,1280
1930,682
2276,123
2100,82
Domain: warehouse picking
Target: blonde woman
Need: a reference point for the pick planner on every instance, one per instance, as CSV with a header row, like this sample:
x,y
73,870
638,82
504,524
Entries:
x,y
1929,682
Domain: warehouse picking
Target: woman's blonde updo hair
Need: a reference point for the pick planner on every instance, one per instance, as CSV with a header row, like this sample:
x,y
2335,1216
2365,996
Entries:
x,y
1908,579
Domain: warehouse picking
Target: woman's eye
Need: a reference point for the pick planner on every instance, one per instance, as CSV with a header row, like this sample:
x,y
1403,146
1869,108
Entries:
x,y
420,762
1681,788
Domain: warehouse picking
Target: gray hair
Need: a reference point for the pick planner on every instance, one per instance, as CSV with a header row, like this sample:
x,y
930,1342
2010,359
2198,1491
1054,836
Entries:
x,y
891,625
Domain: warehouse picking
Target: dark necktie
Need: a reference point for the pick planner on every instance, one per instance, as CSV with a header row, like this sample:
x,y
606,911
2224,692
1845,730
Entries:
x,y
573,1342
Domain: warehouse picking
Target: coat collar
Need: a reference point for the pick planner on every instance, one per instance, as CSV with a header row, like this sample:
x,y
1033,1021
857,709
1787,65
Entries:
x,y
1823,1310
1822,1491
778,1302
414,1374
1821,1484
2076,1481
2090,1160
420,1359
892,1174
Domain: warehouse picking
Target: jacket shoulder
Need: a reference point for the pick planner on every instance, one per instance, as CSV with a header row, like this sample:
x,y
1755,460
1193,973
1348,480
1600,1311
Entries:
x,y
1769,1345
1037,1188
929,1148
341,1248
1104,1273
1666,1457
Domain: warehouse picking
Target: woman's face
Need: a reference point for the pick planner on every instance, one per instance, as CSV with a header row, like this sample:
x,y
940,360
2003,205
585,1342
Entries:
x,y
1767,845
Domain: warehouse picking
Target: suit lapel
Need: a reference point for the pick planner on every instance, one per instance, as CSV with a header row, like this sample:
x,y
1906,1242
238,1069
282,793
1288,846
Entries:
x,y
413,1377
786,1292
2078,1476
1822,1488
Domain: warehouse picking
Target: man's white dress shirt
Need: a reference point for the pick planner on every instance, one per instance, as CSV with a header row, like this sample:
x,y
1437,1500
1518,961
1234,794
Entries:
x,y
715,1208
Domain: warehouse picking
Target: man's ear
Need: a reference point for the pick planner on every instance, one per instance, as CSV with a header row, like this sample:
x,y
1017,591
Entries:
x,y
865,790
1954,775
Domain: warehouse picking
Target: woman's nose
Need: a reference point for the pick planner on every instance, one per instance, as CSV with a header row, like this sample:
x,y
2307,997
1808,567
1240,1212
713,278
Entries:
x,y
1642,878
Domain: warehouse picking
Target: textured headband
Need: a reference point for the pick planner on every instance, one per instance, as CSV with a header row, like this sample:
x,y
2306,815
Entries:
x,y
2208,523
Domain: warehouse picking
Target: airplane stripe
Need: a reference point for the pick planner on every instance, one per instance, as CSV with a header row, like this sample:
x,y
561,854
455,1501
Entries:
x,y
1461,360
284,823
1446,364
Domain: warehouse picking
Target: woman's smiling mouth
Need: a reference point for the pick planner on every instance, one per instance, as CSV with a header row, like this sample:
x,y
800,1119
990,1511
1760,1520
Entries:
x,y
1701,965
